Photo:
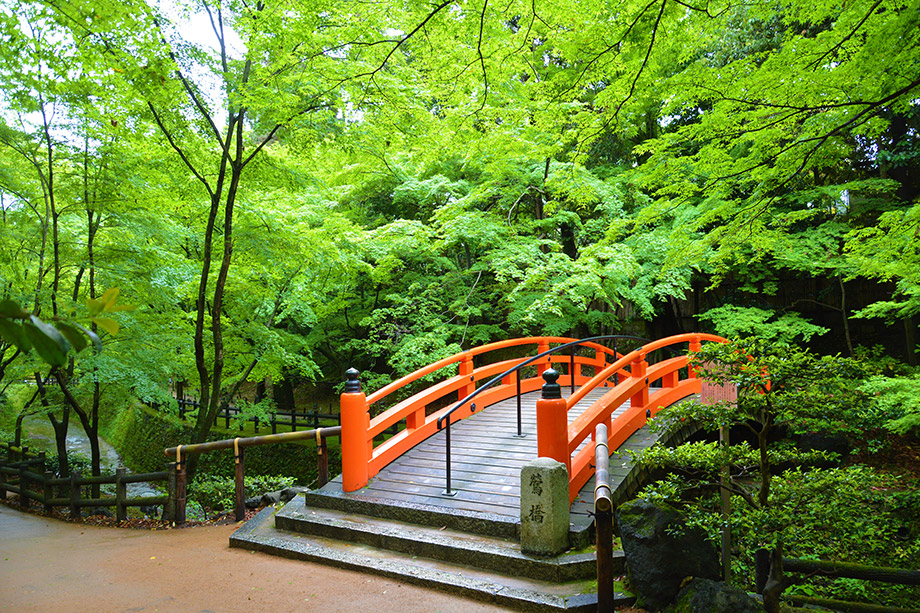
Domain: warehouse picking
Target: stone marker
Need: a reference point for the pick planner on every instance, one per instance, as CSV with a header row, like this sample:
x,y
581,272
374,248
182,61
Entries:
x,y
544,507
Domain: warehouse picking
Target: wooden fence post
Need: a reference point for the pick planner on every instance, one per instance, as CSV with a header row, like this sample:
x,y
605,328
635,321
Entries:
x,y
75,494
121,493
239,506
24,500
169,509
48,491
180,493
322,459
603,520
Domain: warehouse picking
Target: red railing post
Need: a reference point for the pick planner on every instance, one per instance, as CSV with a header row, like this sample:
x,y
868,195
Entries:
x,y
465,369
355,424
542,366
695,345
553,422
637,371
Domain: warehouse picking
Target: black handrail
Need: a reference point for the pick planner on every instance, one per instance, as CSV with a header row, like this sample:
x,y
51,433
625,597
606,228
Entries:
x,y
447,491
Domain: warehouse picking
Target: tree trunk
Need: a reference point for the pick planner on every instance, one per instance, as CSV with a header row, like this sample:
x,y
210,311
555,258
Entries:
x,y
776,583
60,427
910,338
846,319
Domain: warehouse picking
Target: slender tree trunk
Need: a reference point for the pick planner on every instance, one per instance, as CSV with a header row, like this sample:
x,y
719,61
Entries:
x,y
776,582
910,339
765,470
60,427
846,319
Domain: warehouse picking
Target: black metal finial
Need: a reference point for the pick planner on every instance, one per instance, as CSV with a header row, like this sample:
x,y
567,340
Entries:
x,y
551,389
352,385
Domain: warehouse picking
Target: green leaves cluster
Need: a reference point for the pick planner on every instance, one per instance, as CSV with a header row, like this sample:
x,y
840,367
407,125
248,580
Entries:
x,y
54,342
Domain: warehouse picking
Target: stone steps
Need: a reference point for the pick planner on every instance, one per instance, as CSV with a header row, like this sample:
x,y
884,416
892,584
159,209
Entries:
x,y
443,543
487,568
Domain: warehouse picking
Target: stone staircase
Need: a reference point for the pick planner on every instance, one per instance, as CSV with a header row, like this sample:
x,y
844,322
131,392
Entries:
x,y
471,554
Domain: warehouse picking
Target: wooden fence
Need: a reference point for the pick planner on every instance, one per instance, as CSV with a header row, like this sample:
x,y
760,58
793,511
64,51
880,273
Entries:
x,y
177,486
827,568
286,419
24,473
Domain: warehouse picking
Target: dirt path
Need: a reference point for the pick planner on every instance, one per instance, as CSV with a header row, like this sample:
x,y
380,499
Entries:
x,y
49,565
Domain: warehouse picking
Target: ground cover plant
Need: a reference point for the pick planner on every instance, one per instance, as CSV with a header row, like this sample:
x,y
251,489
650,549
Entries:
x,y
851,504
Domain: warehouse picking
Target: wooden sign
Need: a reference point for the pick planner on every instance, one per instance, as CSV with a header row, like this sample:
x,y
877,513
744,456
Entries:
x,y
711,393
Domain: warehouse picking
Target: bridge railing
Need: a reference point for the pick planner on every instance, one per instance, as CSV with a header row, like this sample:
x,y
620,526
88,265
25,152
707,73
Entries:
x,y
568,442
363,459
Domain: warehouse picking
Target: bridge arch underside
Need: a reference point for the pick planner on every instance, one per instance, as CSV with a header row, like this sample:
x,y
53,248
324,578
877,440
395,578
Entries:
x,y
486,461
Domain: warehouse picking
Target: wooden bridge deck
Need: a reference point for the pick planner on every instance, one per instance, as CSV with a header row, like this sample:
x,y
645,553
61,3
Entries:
x,y
486,461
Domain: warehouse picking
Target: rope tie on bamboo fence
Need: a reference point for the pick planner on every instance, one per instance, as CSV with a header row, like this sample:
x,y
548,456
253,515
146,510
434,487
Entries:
x,y
236,450
319,441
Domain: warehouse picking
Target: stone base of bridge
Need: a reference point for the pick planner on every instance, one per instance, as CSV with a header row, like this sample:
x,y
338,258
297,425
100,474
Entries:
x,y
488,568
444,546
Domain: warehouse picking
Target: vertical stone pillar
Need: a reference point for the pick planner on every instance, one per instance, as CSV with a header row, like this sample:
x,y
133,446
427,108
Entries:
x,y
544,507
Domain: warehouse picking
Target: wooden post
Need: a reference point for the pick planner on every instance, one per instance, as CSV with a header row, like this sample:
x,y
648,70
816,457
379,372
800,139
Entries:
x,y
239,506
322,459
75,494
726,512
169,509
603,520
24,501
180,493
355,444
553,422
48,491
121,493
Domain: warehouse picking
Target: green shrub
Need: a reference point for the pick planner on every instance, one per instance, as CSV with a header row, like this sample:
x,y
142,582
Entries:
x,y
217,493
141,434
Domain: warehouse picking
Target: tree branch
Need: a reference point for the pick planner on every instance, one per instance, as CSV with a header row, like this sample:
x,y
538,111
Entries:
x,y
177,149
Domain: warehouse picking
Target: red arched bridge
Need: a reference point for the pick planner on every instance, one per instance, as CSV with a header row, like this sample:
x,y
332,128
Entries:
x,y
584,383
439,502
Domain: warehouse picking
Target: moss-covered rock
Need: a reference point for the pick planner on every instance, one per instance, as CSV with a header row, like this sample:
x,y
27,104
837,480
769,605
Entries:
x,y
705,596
661,551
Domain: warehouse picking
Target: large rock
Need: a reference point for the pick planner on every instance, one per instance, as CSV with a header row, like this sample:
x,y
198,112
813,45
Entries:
x,y
705,596
661,551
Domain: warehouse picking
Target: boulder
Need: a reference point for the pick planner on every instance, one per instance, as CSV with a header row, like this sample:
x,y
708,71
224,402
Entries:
x,y
289,493
271,497
705,596
254,502
661,551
